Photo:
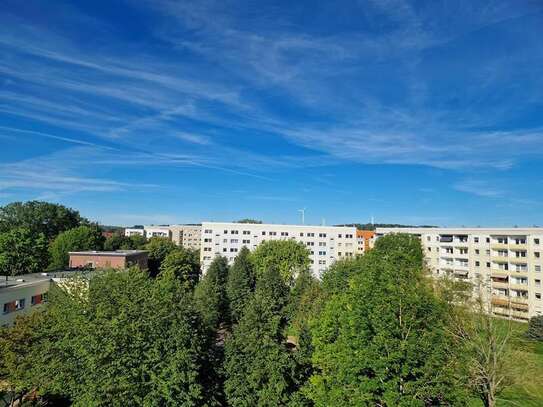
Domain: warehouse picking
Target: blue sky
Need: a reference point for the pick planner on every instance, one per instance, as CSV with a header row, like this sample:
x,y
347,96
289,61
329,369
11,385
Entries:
x,y
162,112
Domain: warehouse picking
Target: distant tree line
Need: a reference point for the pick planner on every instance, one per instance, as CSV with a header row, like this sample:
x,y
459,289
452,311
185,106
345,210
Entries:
x,y
373,226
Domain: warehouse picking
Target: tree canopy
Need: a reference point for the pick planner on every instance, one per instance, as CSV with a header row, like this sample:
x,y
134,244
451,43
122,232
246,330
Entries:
x,y
39,217
384,341
182,264
79,238
210,294
125,340
240,284
288,257
158,248
22,252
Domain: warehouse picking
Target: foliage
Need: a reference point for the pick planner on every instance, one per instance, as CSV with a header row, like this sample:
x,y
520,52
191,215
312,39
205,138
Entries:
x,y
79,238
335,280
210,294
259,367
247,220
135,242
124,340
16,361
159,248
535,328
39,217
305,301
22,252
240,284
117,242
184,265
287,256
385,341
373,226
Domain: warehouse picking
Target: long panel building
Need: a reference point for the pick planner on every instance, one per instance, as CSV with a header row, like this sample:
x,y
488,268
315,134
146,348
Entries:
x,y
326,244
506,263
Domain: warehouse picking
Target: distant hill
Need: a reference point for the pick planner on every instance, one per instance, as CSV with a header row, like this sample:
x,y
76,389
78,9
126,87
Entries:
x,y
370,226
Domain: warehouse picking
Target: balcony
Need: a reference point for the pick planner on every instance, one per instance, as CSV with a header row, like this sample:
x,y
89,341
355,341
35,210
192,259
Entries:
x,y
500,259
500,300
518,246
518,260
499,246
500,284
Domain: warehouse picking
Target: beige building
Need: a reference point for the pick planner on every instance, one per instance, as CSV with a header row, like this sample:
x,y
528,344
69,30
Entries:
x,y
188,236
120,259
23,294
507,263
326,244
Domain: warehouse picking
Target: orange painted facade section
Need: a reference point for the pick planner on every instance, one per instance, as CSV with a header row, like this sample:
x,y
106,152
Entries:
x,y
367,235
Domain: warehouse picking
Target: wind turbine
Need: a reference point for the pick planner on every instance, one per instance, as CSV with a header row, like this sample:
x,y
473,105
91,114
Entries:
x,y
302,211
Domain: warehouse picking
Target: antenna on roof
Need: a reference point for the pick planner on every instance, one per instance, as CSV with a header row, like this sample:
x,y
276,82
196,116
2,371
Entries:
x,y
302,211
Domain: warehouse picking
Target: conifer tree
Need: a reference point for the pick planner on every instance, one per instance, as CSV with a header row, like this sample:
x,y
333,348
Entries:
x,y
240,284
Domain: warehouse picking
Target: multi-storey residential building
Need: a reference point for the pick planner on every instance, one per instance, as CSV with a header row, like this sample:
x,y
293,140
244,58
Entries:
x,y
507,263
134,231
188,236
157,231
326,244
364,240
27,292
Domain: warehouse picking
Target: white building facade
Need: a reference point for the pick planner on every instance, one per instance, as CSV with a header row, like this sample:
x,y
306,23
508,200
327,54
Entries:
x,y
508,263
326,244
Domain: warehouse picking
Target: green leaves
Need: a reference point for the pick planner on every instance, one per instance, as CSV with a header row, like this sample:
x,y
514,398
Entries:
x,y
180,263
22,252
79,238
240,284
288,257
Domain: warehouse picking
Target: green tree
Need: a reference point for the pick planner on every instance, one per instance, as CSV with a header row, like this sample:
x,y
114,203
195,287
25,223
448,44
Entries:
x,y
184,265
210,294
247,220
22,252
39,217
535,328
287,256
259,367
117,242
124,340
135,242
79,238
335,279
158,248
385,340
304,303
240,284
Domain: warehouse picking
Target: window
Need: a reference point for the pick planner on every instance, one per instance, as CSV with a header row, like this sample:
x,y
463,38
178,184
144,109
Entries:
x,y
36,299
537,269
488,240
321,244
207,249
226,232
476,251
488,252
536,254
273,233
224,249
234,241
207,240
537,296
487,265
301,234
246,232
322,234
284,233
311,234
537,282
20,304
322,262
339,236
9,307
233,250
349,236
536,241
208,231
477,264
234,232
322,253
245,241
225,240
429,249
463,251
263,233
339,253
476,239
428,238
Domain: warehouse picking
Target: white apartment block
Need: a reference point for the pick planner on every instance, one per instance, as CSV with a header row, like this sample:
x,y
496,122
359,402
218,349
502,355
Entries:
x,y
188,236
326,244
508,263
132,232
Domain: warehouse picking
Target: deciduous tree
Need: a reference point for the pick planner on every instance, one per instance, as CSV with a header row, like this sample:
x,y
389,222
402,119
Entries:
x,y
79,238
22,252
158,248
210,294
240,284
182,264
288,257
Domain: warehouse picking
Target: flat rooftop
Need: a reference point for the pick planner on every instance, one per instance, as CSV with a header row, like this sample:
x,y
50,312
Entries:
x,y
119,253
23,279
